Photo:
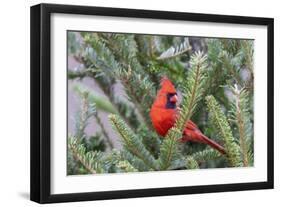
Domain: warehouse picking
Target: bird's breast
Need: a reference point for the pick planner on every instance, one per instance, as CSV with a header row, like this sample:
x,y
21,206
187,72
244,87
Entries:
x,y
162,119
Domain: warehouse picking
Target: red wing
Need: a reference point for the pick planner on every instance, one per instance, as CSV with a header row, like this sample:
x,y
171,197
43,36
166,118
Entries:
x,y
191,132
191,125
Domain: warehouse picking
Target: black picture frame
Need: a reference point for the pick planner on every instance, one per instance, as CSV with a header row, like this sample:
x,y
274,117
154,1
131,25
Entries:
x,y
41,99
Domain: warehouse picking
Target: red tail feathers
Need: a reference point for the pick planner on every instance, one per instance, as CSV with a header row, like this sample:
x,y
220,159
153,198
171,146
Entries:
x,y
201,138
212,143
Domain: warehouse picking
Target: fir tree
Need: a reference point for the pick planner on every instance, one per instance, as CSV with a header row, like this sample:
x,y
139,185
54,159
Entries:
x,y
214,77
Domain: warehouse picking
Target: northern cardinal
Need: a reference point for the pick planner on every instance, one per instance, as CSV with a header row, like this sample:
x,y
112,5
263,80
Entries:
x,y
164,113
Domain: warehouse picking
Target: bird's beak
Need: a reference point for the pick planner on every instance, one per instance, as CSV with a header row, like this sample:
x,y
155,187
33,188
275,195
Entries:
x,y
174,99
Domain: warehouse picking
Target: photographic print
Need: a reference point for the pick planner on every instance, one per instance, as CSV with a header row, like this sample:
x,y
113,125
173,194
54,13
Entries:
x,y
142,102
132,103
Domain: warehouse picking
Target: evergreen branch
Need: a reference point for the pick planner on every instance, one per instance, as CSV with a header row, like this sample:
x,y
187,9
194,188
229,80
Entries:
x,y
83,116
140,96
151,46
90,160
152,142
241,116
124,48
192,91
105,105
205,155
169,149
219,120
216,75
114,105
136,162
127,112
102,55
192,88
87,110
126,166
247,48
96,101
224,65
176,51
132,142
106,58
99,101
119,163
251,158
76,74
229,64
104,132
191,163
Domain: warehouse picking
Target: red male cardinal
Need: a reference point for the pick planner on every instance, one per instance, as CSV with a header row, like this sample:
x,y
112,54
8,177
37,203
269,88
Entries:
x,y
164,113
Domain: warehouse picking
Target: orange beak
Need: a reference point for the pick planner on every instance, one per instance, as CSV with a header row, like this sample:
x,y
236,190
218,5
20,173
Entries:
x,y
174,99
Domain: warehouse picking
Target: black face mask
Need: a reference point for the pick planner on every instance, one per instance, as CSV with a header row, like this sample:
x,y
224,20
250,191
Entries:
x,y
169,104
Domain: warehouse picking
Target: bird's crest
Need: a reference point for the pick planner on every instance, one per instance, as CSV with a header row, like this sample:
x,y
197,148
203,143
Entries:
x,y
167,85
